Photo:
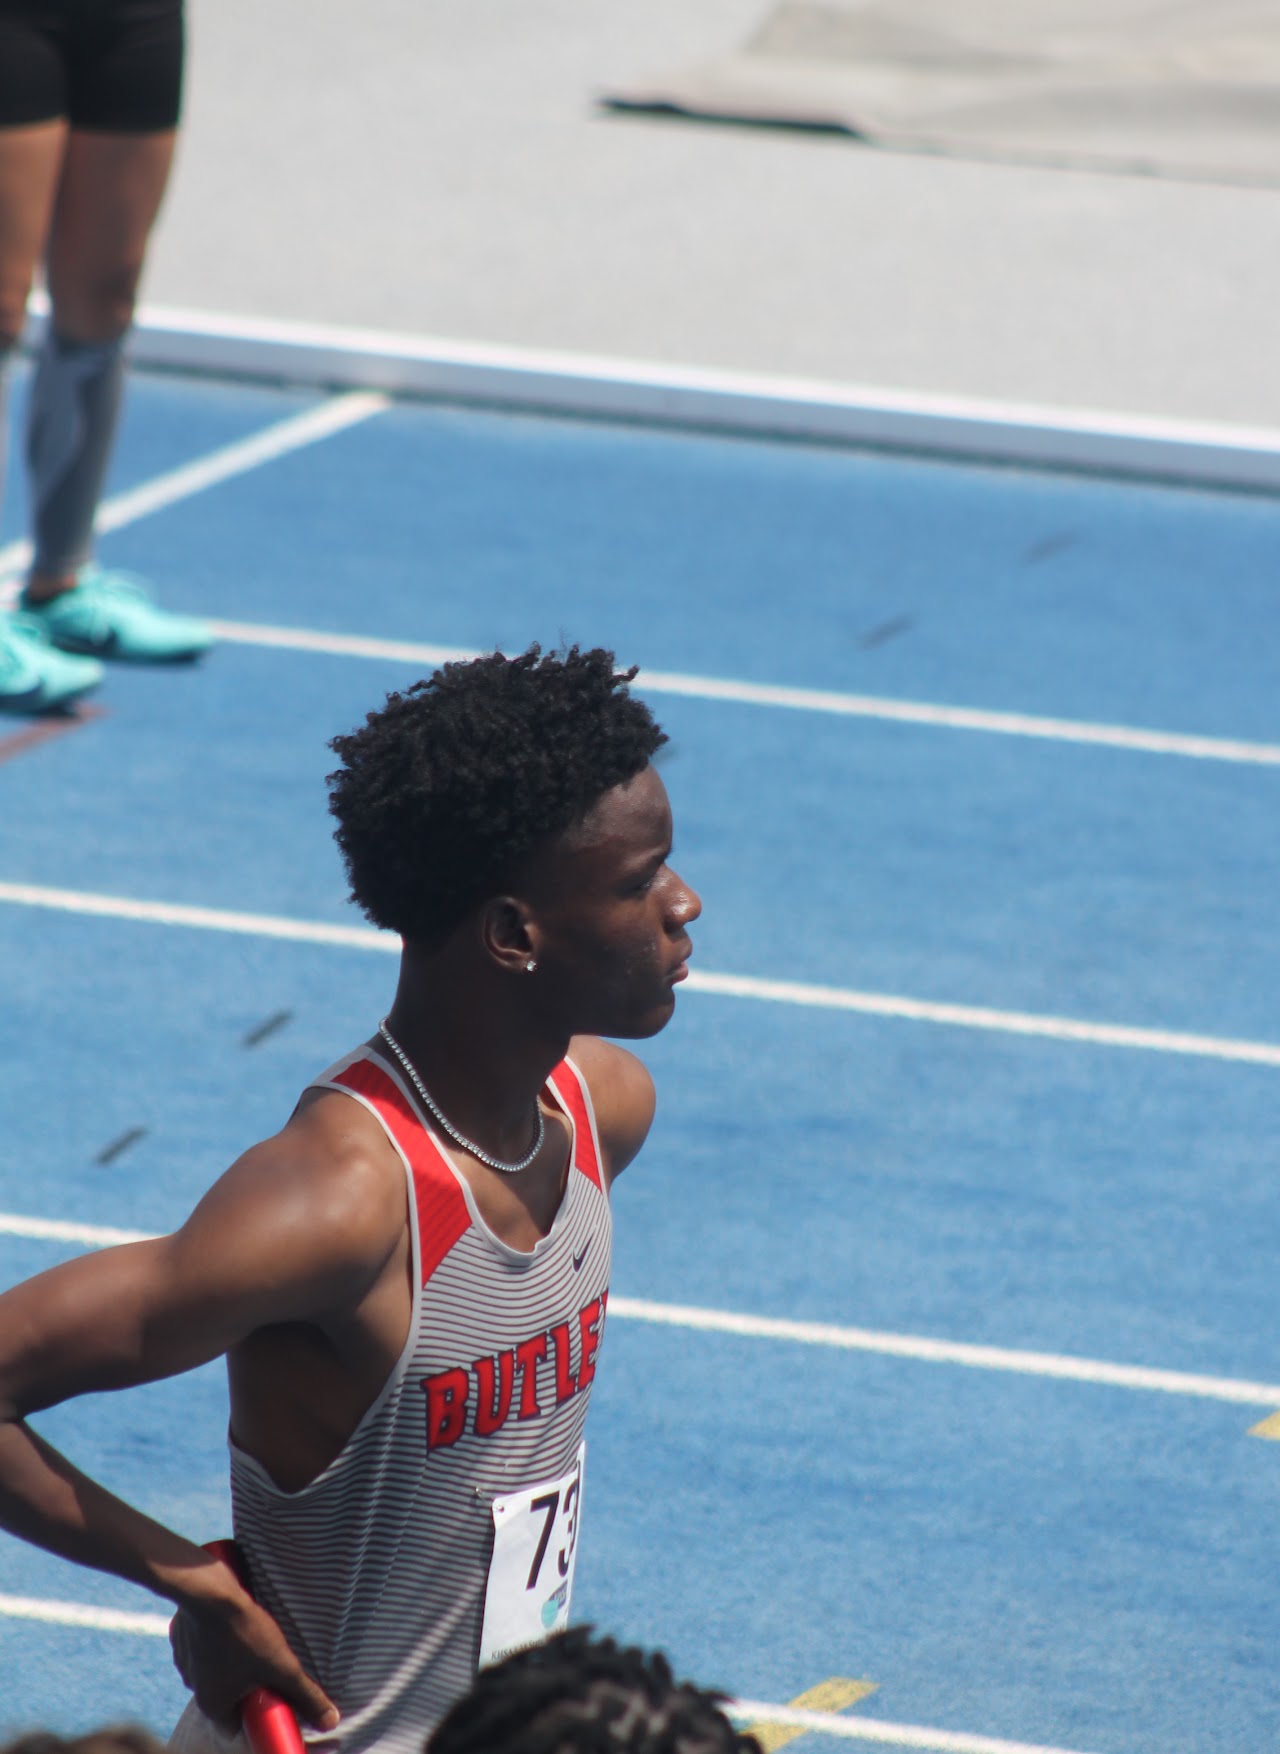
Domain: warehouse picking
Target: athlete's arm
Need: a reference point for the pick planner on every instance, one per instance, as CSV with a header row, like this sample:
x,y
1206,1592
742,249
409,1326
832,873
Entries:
x,y
622,1095
299,1229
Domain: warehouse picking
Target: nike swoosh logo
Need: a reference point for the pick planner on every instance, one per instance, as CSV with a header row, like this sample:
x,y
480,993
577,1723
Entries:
x,y
579,1259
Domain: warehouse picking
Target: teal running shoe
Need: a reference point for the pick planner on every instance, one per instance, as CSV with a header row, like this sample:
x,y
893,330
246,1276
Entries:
x,y
34,678
109,614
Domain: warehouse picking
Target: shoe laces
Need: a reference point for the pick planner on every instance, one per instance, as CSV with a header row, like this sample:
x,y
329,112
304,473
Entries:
x,y
102,584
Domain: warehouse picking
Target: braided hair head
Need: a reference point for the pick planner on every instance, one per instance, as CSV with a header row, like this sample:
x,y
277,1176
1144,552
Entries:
x,y
578,1694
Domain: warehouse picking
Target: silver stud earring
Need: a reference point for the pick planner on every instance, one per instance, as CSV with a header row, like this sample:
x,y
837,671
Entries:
x,y
530,966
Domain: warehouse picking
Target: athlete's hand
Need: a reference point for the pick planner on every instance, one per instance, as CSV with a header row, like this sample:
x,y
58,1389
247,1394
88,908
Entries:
x,y
224,1645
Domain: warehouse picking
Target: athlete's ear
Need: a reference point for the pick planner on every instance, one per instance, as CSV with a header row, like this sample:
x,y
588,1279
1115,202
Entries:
x,y
509,933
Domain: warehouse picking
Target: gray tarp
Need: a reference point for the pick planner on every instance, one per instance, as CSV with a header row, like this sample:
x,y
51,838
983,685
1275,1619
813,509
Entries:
x,y
1190,89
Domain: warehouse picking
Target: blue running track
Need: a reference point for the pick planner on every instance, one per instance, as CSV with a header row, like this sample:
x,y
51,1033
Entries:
x,y
911,1122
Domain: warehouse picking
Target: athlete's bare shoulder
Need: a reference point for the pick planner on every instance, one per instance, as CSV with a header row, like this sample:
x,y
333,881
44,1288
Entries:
x,y
304,1227
323,1200
622,1095
334,1159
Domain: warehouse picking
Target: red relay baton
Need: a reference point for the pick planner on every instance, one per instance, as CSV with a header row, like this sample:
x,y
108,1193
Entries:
x,y
268,1723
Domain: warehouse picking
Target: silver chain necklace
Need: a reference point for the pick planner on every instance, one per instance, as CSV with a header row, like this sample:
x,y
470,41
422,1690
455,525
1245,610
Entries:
x,y
457,1137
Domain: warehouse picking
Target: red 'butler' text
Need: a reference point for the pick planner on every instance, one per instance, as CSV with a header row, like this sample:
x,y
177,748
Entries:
x,y
528,1379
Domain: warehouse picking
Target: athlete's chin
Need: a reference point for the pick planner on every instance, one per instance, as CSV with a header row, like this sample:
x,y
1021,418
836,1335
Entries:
x,y
640,1024
658,1018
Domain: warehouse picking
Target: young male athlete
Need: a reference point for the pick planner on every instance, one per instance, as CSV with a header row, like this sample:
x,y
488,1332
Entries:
x,y
409,1281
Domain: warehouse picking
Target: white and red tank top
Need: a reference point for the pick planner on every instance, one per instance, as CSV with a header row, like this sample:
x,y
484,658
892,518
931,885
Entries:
x,y
376,1571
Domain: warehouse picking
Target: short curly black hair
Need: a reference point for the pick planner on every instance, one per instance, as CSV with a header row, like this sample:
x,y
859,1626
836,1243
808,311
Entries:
x,y
578,1694
445,793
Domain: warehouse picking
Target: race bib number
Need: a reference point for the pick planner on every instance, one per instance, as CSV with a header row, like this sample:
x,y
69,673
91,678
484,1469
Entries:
x,y
535,1541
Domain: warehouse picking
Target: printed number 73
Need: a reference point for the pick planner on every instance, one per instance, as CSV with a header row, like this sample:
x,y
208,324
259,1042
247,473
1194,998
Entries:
x,y
549,1504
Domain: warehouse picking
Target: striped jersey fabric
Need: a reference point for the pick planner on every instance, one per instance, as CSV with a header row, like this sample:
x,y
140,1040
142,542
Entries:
x,y
376,1571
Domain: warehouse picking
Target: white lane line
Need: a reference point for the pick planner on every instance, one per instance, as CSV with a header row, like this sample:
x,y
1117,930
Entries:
x,y
60,1230
814,700
205,919
82,1614
914,712
338,645
313,424
733,986
1116,1035
927,1351
866,1729
842,1339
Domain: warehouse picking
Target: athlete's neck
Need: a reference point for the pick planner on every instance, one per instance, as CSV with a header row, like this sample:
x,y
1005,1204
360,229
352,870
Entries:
x,y
474,1042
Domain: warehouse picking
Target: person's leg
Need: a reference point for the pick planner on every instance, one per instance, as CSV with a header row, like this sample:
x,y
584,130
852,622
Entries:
x,y
108,197
33,678
124,88
30,161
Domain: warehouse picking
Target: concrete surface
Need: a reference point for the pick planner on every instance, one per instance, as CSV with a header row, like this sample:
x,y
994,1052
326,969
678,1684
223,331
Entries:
x,y
445,170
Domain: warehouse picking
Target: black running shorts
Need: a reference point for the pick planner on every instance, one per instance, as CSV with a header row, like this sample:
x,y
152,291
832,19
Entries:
x,y
114,66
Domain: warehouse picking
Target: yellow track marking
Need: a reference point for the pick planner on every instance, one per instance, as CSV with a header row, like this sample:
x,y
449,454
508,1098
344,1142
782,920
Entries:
x,y
1269,1427
832,1695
